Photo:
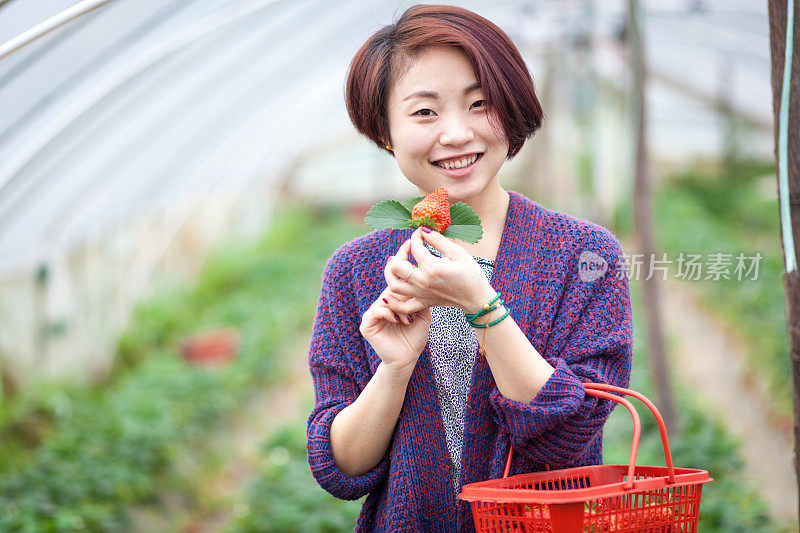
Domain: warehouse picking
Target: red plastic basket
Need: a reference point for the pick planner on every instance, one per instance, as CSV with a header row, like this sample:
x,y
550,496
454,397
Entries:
x,y
621,498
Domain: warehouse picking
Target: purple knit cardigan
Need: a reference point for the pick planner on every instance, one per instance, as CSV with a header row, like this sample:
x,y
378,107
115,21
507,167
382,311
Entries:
x,y
583,328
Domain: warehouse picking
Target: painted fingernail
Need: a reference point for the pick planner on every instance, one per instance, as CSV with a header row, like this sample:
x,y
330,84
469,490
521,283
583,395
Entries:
x,y
397,317
411,318
426,229
385,300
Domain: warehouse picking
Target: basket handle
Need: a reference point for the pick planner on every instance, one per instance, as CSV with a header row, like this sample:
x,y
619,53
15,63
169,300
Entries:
x,y
601,390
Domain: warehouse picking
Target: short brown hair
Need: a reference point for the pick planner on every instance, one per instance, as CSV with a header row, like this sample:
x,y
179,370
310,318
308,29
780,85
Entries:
x,y
507,85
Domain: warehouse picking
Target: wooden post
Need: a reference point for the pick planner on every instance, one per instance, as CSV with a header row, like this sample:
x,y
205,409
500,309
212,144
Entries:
x,y
643,214
787,164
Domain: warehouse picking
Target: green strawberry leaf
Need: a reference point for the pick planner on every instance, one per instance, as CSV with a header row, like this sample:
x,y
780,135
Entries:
x,y
411,202
465,224
467,233
389,214
462,214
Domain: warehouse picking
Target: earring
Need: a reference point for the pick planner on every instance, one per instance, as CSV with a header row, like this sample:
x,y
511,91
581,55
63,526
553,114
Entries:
x,y
389,147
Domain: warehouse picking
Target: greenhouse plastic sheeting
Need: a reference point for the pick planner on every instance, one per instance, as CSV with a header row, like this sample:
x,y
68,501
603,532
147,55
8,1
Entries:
x,y
148,123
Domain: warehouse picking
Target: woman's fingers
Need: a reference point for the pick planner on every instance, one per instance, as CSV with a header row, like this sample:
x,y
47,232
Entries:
x,y
422,255
378,312
434,280
402,305
390,268
401,255
447,247
404,251
398,262
402,277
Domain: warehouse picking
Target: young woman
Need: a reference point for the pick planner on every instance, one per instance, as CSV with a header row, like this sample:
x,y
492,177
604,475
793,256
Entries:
x,y
415,395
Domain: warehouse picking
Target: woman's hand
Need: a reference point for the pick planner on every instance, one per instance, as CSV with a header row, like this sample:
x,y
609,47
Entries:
x,y
397,342
454,280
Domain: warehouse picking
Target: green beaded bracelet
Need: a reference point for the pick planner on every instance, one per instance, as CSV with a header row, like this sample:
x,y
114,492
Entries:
x,y
491,323
484,312
485,308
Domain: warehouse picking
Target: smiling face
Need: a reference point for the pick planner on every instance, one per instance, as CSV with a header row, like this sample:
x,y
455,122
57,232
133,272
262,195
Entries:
x,y
437,113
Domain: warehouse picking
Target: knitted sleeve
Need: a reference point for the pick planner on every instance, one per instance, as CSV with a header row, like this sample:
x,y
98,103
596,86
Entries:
x,y
590,342
337,362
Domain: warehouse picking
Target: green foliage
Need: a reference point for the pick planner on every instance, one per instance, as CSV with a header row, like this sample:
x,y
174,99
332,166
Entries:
x,y
411,202
390,214
705,211
285,498
465,224
102,448
155,324
731,195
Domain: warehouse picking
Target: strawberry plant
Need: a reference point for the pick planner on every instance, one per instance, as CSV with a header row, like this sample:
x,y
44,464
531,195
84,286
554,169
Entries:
x,y
457,221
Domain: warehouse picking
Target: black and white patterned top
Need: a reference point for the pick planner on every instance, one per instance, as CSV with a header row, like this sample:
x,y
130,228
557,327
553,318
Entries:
x,y
453,346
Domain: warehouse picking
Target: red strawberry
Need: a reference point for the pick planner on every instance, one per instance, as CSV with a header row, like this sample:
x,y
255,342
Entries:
x,y
432,211
537,520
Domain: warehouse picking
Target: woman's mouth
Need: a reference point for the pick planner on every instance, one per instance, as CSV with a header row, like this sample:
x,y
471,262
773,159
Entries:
x,y
458,167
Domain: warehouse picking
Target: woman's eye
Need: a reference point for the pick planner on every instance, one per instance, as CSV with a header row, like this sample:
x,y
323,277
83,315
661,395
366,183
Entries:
x,y
481,102
419,113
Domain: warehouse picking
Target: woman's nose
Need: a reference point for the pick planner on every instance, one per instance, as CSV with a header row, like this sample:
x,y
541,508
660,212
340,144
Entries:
x,y
456,131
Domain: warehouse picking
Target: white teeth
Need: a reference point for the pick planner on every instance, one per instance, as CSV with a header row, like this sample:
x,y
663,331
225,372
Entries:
x,y
459,164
